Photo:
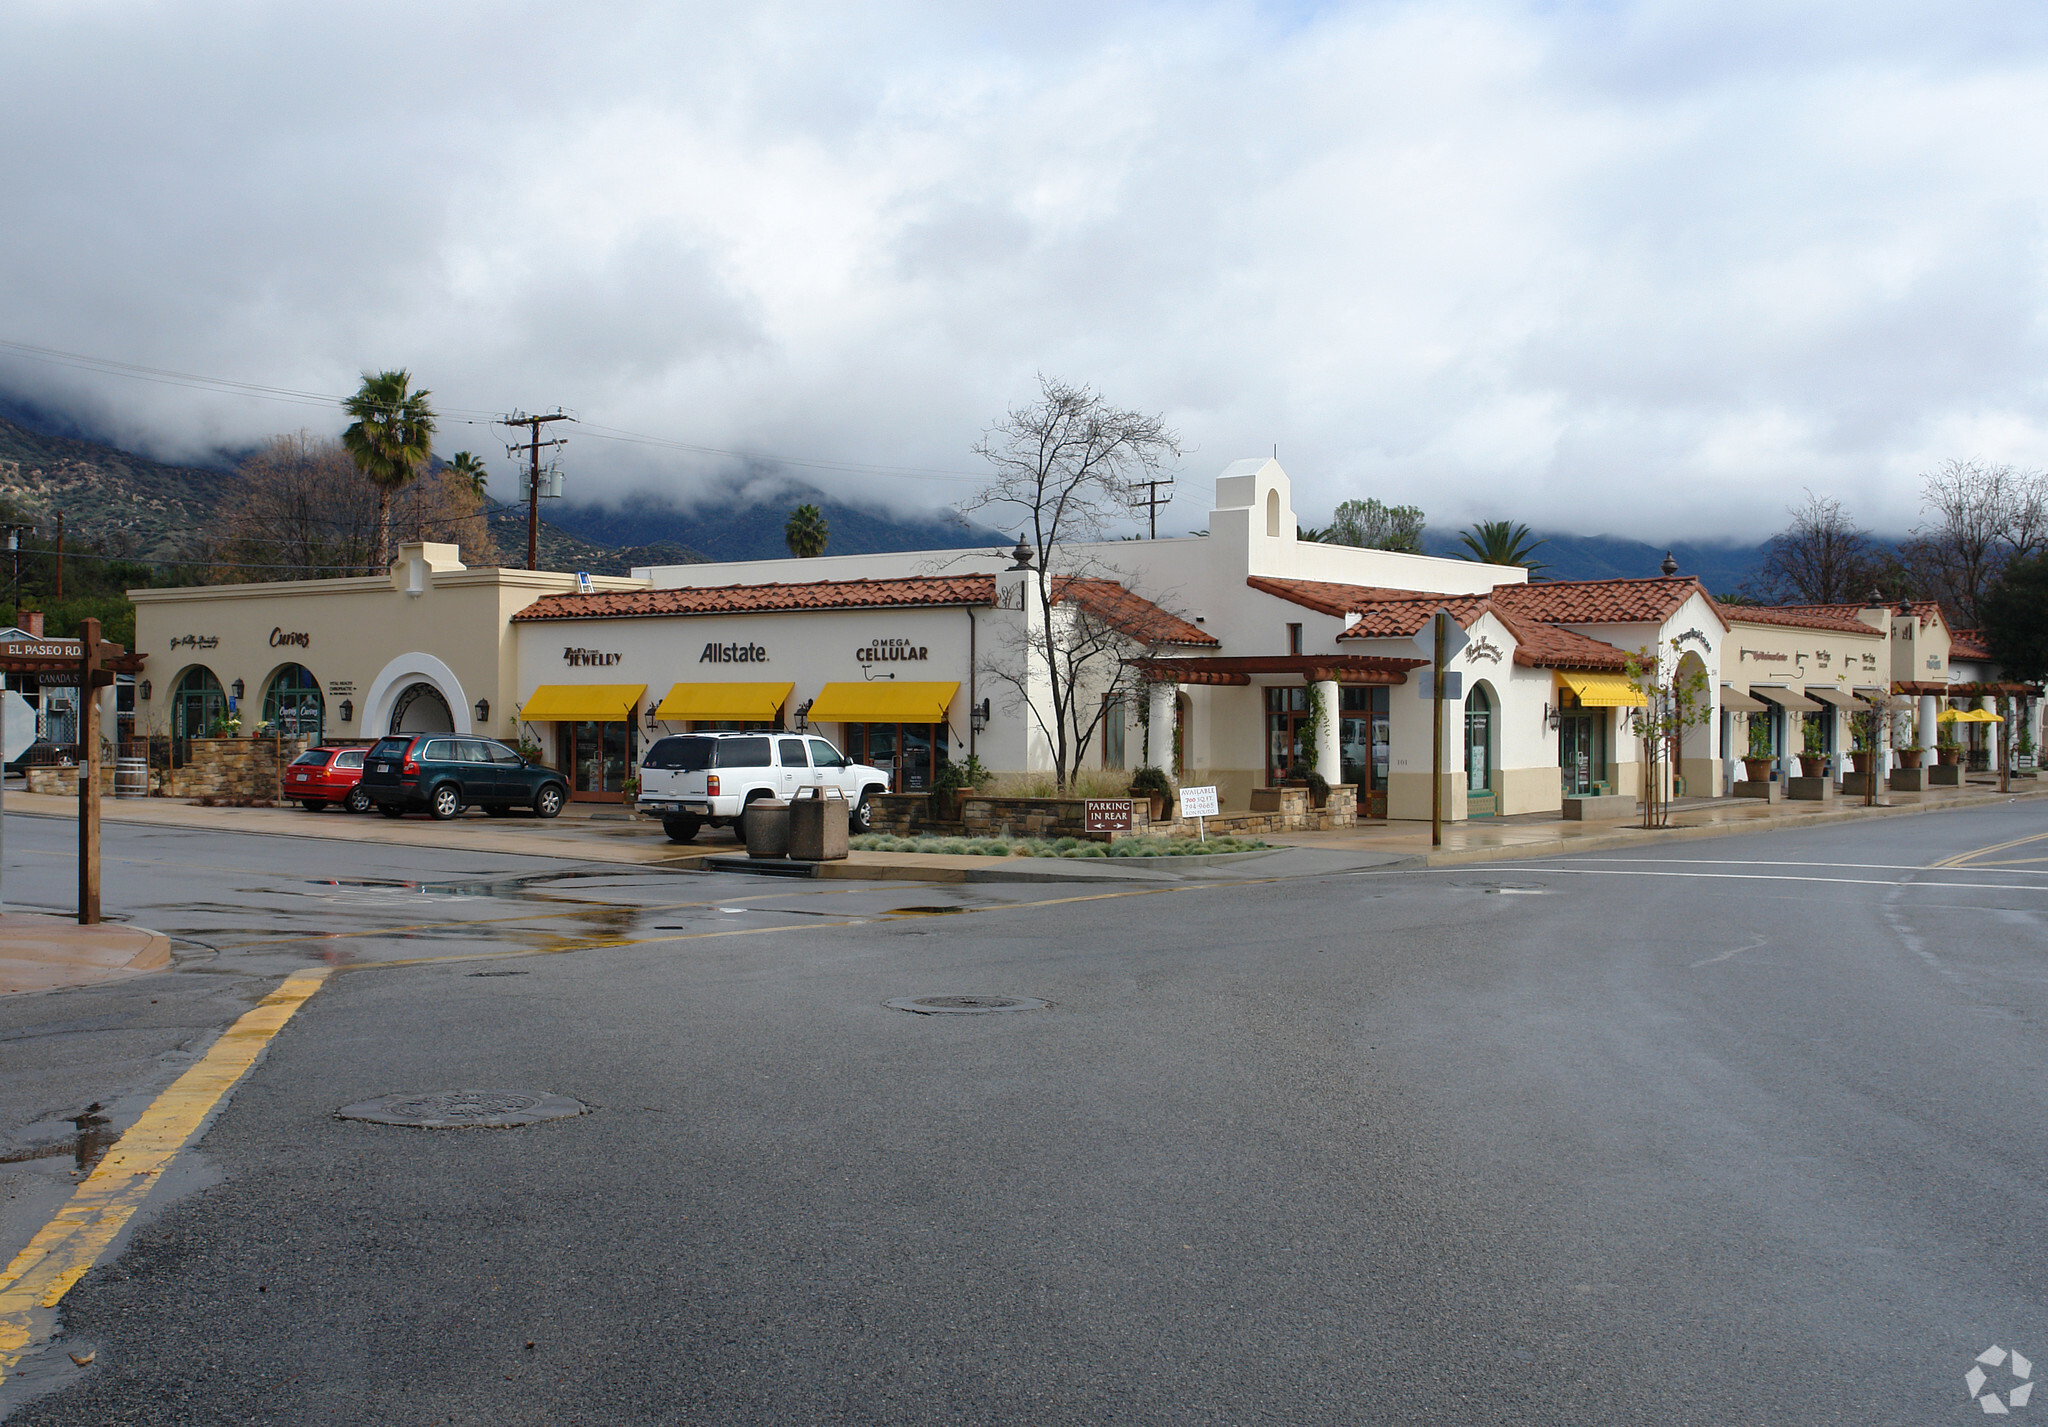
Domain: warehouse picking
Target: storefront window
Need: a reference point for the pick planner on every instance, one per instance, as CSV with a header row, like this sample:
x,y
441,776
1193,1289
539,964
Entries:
x,y
597,758
292,705
1478,741
1286,721
1364,733
1581,749
911,753
195,704
1113,733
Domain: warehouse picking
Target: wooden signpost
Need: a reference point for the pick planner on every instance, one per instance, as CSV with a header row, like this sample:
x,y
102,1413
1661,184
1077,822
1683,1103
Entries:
x,y
90,663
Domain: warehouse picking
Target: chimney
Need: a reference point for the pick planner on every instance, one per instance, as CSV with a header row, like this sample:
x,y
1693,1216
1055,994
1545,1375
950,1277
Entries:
x,y
30,620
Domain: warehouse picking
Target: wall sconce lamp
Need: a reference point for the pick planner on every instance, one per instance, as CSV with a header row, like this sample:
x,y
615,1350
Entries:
x,y
348,710
978,716
143,690
803,715
650,717
1551,714
236,689
483,710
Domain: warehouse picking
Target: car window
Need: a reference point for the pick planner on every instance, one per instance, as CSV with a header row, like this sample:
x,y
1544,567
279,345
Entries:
x,y
312,758
349,758
742,753
503,755
680,754
793,753
474,750
823,754
391,748
440,750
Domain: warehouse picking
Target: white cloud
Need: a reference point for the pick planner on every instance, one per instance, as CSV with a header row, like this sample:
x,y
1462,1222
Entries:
x,y
1632,267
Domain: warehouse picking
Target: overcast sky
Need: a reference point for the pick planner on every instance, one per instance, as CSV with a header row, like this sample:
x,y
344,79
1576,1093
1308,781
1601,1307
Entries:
x,y
1638,268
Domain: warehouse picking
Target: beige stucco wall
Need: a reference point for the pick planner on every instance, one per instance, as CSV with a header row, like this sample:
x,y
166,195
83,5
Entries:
x,y
364,639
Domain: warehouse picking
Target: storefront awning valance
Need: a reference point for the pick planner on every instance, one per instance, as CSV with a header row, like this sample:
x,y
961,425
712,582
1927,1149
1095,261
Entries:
x,y
583,703
1602,691
883,703
1840,698
724,703
1742,703
1785,699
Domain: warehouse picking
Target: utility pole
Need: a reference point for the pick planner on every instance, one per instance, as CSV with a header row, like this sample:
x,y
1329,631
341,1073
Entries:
x,y
532,447
1153,500
1436,739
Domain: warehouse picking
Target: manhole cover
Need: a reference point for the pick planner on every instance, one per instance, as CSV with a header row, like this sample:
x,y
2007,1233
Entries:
x,y
463,1109
926,911
964,1005
497,973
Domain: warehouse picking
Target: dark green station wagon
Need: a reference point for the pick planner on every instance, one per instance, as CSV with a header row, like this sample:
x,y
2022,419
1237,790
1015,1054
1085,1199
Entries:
x,y
442,774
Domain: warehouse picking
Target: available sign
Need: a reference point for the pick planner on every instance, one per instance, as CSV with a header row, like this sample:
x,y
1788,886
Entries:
x,y
1109,815
1198,802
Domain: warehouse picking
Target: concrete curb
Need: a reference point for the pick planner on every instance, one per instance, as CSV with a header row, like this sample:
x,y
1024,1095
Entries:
x,y
48,953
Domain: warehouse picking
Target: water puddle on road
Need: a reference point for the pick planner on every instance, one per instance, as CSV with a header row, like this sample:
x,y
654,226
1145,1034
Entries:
x,y
93,1136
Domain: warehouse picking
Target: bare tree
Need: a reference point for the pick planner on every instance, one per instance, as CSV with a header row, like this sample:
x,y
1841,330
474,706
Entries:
x,y
1820,558
1978,519
1068,467
304,511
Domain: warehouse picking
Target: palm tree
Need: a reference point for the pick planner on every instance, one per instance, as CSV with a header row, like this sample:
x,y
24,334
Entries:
x,y
471,469
805,532
1502,542
391,439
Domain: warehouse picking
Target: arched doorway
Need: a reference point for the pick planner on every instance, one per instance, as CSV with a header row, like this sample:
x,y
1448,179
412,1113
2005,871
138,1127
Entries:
x,y
292,704
195,704
420,708
1480,799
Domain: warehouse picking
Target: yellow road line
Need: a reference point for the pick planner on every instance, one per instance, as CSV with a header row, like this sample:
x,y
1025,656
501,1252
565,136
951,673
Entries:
x,y
59,1255
1961,857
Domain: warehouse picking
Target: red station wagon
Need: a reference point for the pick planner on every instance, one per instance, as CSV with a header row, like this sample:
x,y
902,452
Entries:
x,y
320,776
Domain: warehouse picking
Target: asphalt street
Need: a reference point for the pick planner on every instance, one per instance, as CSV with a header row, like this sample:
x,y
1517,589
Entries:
x,y
1735,1131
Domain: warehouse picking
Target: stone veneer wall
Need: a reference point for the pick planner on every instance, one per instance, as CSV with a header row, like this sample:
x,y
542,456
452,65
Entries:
x,y
909,815
234,768
1293,812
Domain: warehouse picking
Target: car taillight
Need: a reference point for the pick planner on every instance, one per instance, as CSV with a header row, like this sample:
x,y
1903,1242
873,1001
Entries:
x,y
711,785
409,768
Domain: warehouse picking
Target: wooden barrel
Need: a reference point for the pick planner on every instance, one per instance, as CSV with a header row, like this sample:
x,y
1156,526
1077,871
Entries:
x,y
131,777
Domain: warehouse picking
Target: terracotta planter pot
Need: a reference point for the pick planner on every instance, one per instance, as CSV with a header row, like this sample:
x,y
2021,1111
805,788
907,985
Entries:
x,y
1813,765
1910,757
1861,760
1758,769
1949,756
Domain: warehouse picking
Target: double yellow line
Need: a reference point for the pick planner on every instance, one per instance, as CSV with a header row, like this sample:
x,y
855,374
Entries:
x,y
1964,858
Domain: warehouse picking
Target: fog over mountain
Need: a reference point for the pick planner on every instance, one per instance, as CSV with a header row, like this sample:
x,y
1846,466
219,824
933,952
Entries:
x,y
1645,267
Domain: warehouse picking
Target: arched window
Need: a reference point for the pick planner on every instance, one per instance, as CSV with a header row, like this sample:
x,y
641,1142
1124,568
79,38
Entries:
x,y
1478,741
292,704
421,709
1273,514
195,704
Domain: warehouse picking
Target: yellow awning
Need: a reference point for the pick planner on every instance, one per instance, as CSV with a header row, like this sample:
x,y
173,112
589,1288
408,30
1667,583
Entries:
x,y
1978,716
883,703
1603,691
724,703
583,703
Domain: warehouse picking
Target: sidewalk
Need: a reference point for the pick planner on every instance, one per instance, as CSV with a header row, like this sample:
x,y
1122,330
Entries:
x,y
41,953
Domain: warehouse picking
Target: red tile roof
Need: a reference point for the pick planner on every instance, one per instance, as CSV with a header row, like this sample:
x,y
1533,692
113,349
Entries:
x,y
910,591
1969,644
1802,617
1329,596
1132,615
1537,645
1403,618
1552,646
1634,601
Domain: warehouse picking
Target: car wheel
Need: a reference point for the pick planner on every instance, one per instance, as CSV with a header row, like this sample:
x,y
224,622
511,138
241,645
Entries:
x,y
548,801
313,805
358,801
391,810
862,819
446,802
682,829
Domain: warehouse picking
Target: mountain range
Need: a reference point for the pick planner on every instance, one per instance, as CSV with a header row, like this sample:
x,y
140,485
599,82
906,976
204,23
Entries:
x,y
147,510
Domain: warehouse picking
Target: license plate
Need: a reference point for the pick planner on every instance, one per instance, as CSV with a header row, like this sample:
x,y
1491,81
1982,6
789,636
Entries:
x,y
298,777
383,767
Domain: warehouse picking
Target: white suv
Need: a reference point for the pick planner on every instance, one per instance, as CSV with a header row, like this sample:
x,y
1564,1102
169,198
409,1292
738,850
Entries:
x,y
689,779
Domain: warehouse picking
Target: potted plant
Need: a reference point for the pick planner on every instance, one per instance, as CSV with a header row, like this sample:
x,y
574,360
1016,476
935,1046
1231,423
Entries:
x,y
1757,763
1813,757
1948,749
2025,748
1318,788
630,786
1861,754
1156,788
1910,755
956,781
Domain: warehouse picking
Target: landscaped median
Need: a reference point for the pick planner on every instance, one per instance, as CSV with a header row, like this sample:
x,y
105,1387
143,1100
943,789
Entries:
x,y
1056,847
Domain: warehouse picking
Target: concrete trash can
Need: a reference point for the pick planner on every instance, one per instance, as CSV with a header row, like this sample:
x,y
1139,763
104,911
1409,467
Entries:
x,y
817,825
765,826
